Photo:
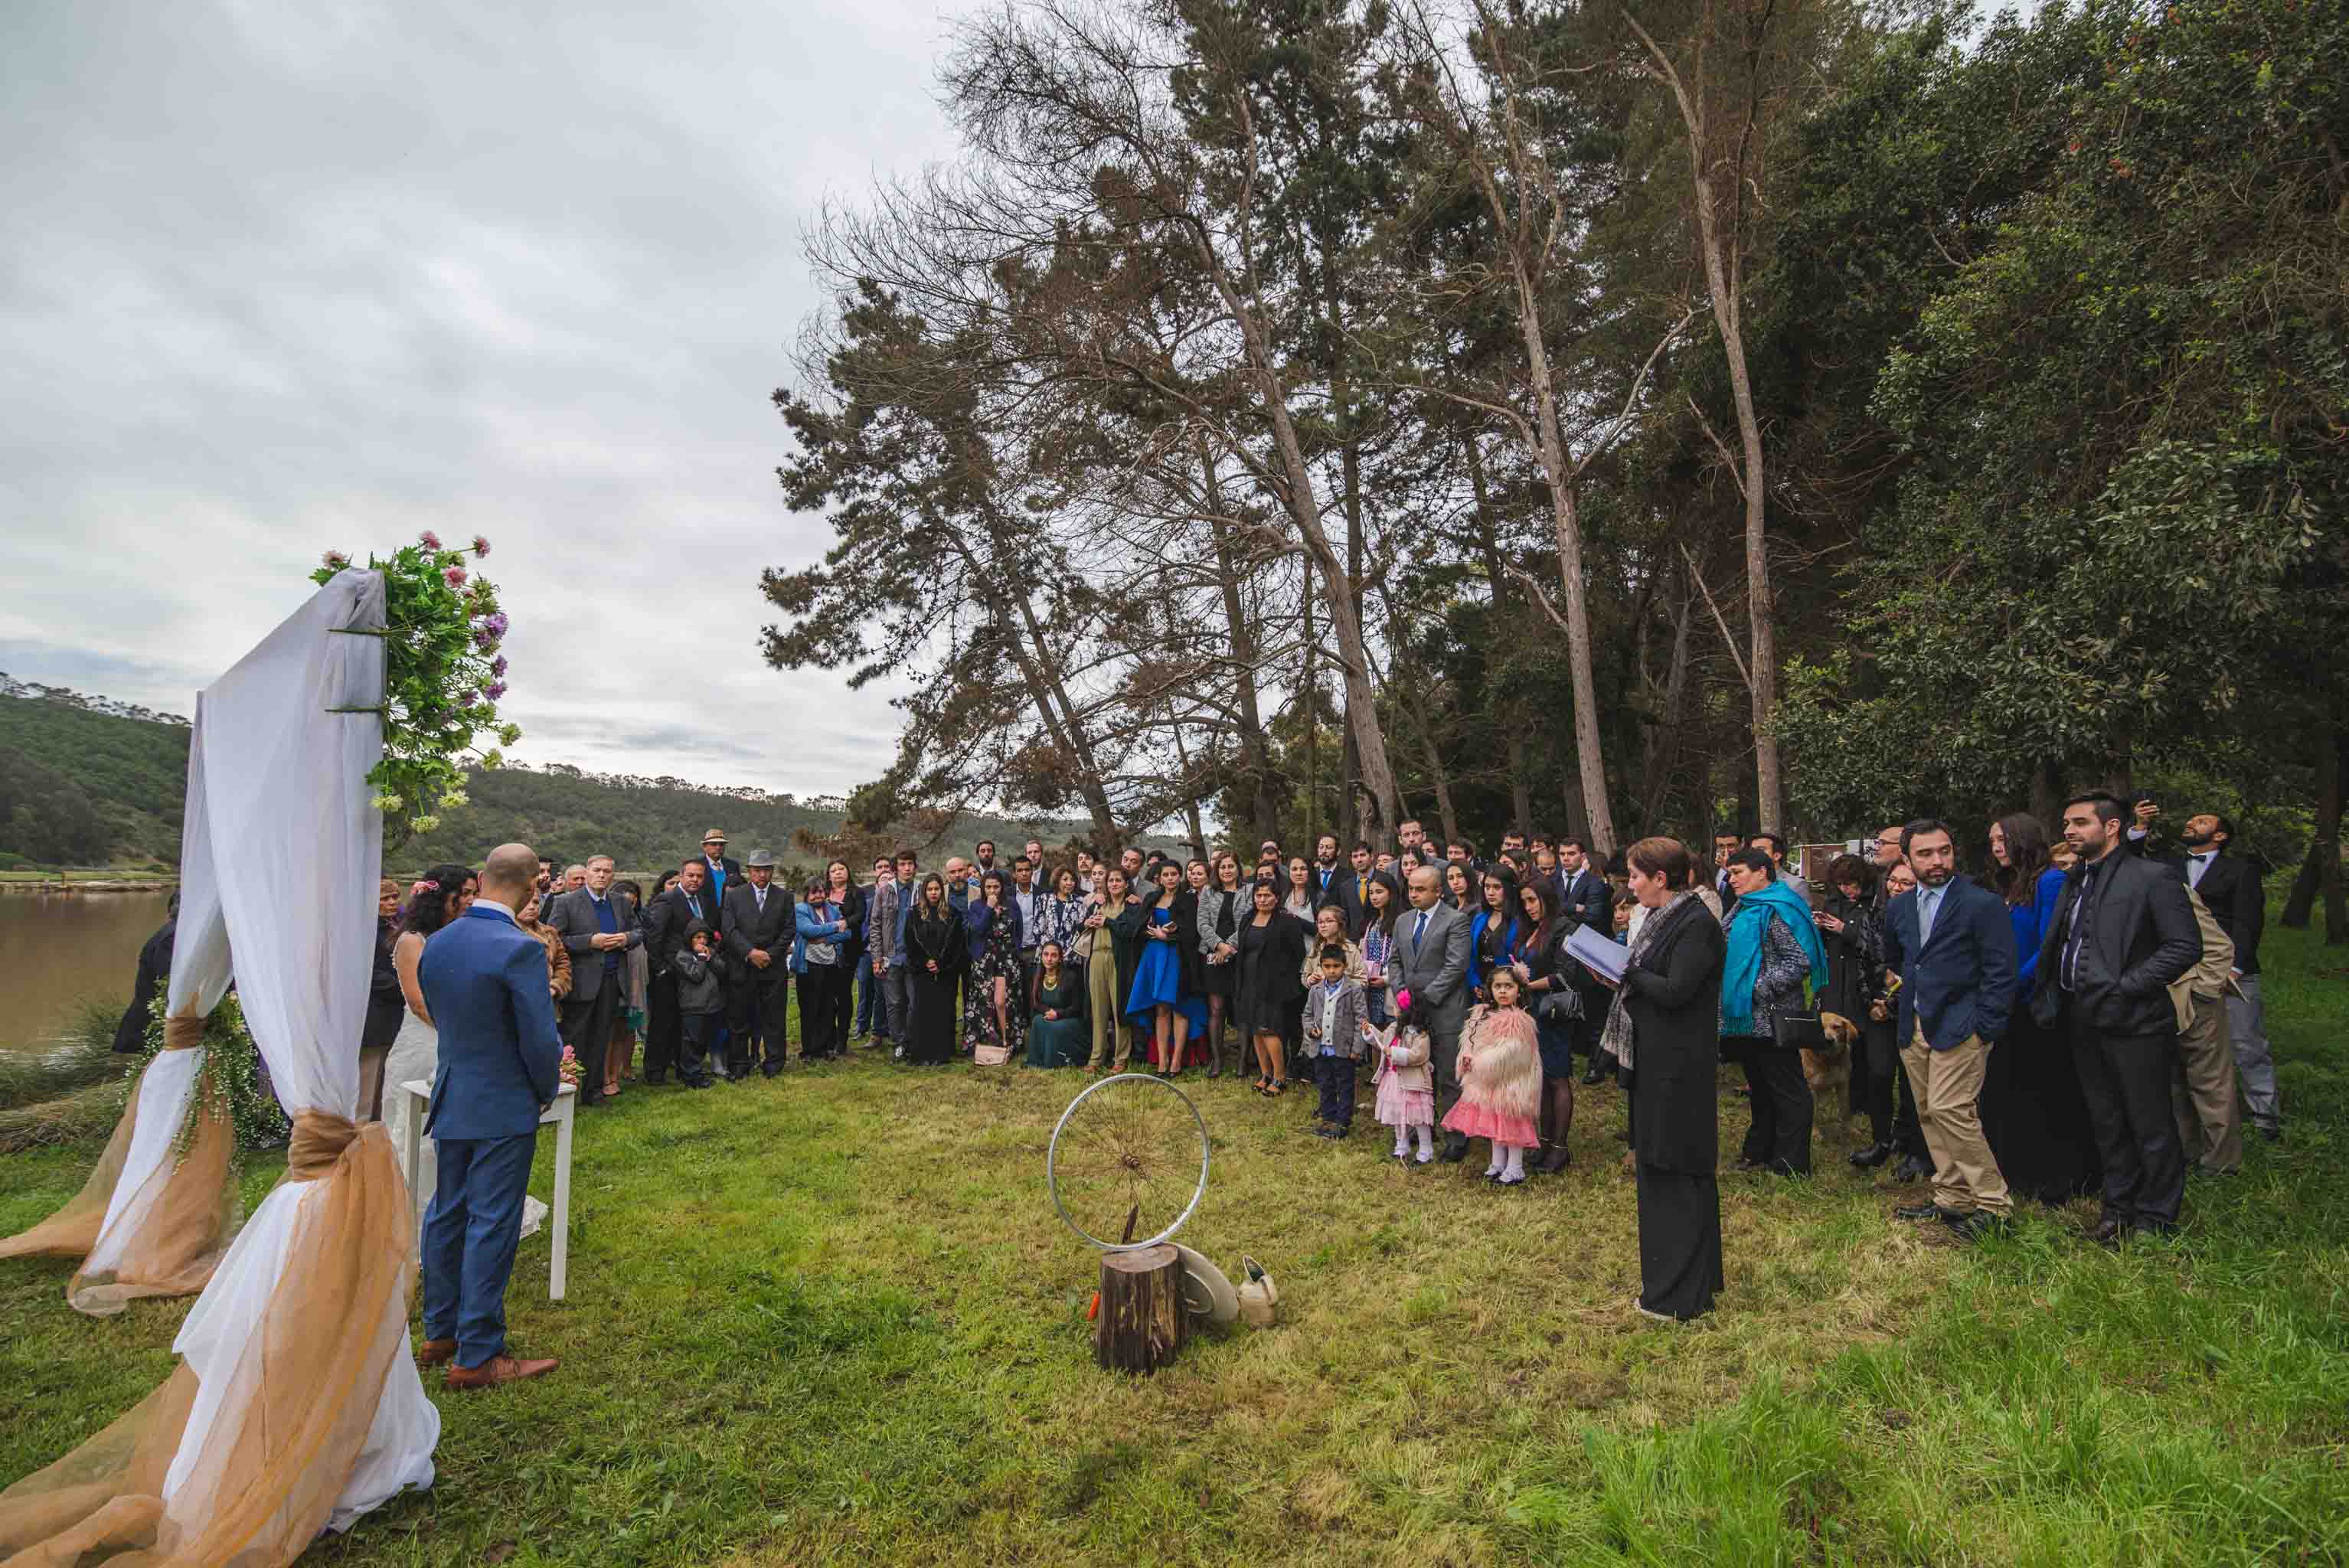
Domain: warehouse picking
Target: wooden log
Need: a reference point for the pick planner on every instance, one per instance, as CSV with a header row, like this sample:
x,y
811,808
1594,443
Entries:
x,y
1142,1319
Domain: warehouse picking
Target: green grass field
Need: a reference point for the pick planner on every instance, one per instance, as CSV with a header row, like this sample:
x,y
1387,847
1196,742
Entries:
x,y
832,1319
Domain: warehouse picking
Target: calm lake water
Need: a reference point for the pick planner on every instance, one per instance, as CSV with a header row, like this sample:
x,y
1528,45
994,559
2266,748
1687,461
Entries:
x,y
58,948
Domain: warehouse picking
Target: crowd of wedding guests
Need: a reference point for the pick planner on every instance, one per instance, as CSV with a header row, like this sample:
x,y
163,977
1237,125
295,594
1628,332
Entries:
x,y
2074,1020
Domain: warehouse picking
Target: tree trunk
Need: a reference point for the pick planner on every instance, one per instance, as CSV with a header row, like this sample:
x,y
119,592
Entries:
x,y
1141,1323
2300,901
2047,795
1565,522
1724,278
1521,796
1298,496
1256,751
1312,716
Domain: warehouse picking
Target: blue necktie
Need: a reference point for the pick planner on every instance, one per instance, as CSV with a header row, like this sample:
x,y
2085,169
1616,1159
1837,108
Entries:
x,y
1419,931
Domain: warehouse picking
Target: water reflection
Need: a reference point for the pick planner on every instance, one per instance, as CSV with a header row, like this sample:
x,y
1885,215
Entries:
x,y
58,948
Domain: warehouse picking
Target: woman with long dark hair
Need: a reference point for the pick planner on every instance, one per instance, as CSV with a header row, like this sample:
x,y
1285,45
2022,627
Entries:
x,y
935,952
1775,955
1271,949
1458,892
2032,1114
1548,973
1492,932
998,995
1848,930
1377,947
1222,906
1109,976
442,894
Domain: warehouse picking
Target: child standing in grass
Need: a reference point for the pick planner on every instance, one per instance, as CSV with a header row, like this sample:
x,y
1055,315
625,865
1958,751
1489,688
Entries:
x,y
1500,1078
1406,1090
701,997
1333,1040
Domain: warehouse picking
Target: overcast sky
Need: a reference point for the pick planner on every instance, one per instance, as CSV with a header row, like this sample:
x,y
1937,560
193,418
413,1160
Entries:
x,y
283,275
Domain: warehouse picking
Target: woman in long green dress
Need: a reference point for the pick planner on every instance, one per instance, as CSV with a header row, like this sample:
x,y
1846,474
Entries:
x,y
1058,1033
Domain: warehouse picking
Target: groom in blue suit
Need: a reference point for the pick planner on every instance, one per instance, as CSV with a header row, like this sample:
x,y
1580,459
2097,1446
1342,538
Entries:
x,y
485,985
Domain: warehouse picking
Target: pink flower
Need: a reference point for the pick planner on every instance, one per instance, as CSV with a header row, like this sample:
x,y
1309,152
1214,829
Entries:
x,y
481,546
334,560
429,540
455,575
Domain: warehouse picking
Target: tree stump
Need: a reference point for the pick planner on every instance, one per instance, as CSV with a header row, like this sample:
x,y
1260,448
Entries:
x,y
1142,1319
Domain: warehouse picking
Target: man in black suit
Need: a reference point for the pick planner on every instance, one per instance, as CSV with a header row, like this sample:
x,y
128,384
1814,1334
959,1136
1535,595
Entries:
x,y
597,926
680,904
1585,898
2123,931
758,925
1952,943
2231,887
1349,891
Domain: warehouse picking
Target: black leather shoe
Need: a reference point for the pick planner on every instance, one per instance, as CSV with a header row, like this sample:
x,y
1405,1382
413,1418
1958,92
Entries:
x,y
1911,1170
1926,1210
2109,1232
1874,1155
1974,1226
1453,1153
1593,1075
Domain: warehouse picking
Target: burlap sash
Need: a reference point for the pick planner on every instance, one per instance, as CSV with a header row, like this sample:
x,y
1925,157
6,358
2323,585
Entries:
x,y
299,1400
181,1234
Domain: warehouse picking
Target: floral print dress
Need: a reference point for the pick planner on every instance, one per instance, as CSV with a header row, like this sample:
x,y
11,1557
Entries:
x,y
997,954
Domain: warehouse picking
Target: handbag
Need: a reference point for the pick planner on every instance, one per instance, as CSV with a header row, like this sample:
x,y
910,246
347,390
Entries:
x,y
1800,1031
989,1056
1559,1008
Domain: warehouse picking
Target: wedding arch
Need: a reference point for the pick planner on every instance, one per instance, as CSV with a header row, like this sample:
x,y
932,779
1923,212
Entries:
x,y
296,1406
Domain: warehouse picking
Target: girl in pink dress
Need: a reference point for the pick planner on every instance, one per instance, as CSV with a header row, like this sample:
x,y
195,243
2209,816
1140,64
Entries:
x,y
1500,1080
1406,1099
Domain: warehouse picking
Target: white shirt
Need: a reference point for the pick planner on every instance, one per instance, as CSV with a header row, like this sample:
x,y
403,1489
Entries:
x,y
1928,904
2196,864
1329,1019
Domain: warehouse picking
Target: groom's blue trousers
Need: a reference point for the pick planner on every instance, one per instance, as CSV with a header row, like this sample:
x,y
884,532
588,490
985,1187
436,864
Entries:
x,y
469,1235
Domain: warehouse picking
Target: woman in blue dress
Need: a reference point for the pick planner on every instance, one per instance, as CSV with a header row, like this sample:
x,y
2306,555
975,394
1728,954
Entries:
x,y
1158,1001
2032,1114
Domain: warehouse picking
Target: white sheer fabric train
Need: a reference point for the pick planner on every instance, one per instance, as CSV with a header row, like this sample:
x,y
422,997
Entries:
x,y
279,832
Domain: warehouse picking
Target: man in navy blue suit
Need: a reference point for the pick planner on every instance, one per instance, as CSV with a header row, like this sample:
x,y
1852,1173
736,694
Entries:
x,y
1952,944
484,982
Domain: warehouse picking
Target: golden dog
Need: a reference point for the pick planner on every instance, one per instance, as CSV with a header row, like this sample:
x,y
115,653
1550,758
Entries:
x,y
1831,1067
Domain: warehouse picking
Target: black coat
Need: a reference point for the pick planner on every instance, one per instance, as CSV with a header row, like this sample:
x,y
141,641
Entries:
x,y
1271,976
2231,887
1125,931
1348,899
1592,903
386,1003
665,919
1673,998
854,908
2143,936
744,926
711,891
154,973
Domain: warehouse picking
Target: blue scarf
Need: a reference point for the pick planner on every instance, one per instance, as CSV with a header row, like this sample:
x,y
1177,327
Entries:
x,y
1747,924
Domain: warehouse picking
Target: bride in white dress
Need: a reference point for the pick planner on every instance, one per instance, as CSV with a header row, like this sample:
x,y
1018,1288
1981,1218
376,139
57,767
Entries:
x,y
444,894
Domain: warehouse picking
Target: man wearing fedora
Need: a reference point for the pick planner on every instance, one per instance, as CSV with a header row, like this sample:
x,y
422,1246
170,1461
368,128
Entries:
x,y
719,876
758,924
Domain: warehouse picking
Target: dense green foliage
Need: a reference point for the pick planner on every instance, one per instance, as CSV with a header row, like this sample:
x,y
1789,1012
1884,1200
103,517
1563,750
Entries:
x,y
85,782
2035,330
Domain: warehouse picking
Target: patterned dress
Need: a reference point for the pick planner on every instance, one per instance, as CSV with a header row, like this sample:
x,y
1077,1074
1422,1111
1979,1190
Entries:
x,y
996,954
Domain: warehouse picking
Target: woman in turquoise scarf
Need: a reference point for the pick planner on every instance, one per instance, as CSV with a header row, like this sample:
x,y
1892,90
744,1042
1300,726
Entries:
x,y
1774,952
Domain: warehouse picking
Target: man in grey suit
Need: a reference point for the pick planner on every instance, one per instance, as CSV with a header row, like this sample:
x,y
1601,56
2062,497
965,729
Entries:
x,y
1431,962
597,926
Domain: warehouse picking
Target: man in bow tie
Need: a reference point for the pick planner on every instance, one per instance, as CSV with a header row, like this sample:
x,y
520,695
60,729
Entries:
x,y
2231,887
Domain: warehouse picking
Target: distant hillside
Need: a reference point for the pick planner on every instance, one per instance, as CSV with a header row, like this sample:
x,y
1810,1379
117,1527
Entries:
x,y
88,781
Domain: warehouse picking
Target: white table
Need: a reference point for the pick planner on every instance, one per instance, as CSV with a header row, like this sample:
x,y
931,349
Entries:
x,y
566,1095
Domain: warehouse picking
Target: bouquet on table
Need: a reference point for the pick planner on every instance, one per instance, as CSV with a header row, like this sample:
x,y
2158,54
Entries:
x,y
569,1067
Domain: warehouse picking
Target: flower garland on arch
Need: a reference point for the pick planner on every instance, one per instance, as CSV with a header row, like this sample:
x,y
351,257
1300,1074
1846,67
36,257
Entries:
x,y
230,1084
442,678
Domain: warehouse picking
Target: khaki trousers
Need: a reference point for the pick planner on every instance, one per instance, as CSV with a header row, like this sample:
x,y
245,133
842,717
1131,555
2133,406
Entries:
x,y
2209,1114
1102,1001
1947,1085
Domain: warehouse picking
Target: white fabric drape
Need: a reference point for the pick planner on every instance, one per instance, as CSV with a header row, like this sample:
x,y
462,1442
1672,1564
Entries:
x,y
282,849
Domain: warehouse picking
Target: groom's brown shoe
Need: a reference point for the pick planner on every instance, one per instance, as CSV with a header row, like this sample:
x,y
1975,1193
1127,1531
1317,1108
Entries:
x,y
433,1352
498,1369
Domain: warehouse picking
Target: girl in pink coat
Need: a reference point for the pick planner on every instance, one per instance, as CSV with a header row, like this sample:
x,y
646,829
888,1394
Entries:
x,y
1500,1080
1406,1099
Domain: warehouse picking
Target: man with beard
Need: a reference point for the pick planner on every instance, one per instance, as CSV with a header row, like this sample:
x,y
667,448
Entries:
x,y
2230,887
2122,935
1953,945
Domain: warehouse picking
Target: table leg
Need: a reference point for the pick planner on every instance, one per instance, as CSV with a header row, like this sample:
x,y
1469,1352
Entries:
x,y
562,1215
411,1155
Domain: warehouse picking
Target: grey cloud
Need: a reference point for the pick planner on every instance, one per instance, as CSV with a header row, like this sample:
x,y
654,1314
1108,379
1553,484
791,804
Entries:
x,y
283,277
